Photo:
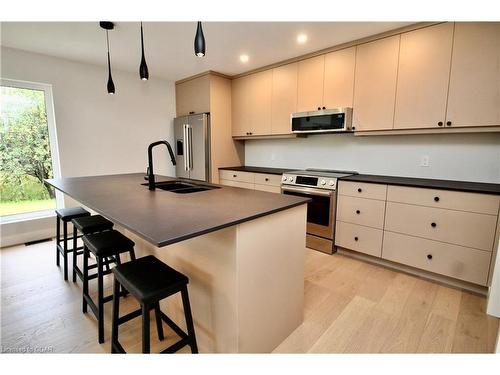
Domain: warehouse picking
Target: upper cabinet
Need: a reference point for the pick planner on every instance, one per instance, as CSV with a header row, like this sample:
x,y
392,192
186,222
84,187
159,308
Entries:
x,y
423,77
251,104
338,85
191,96
310,84
375,84
284,98
474,96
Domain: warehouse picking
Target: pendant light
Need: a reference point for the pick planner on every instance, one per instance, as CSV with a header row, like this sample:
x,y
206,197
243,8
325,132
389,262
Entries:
x,y
143,68
199,41
106,25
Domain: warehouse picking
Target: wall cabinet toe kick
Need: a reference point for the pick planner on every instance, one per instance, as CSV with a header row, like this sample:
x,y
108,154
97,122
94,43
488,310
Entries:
x,y
447,233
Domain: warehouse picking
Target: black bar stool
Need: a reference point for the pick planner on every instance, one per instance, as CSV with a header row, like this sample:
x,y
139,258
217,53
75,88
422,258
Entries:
x,y
106,248
66,215
149,280
87,225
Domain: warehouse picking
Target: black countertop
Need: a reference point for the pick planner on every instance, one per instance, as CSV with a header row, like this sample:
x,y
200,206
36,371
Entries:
x,y
245,168
474,187
162,217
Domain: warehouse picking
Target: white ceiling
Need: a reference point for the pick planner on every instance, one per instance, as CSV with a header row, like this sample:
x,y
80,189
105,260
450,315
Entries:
x,y
169,45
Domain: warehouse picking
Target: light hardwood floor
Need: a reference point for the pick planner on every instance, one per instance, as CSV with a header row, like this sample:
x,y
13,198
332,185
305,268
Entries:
x,y
350,307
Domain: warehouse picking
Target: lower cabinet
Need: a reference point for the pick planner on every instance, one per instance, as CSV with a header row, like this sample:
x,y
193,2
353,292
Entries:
x,y
359,238
455,261
445,232
248,180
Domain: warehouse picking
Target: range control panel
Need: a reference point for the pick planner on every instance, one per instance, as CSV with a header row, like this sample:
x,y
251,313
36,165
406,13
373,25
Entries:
x,y
321,182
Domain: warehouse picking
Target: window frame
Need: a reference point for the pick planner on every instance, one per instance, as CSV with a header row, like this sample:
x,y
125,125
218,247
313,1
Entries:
x,y
53,142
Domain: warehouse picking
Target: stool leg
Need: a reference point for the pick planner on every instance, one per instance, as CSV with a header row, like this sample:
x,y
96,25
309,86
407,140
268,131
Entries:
x,y
116,314
58,235
189,320
74,253
159,326
100,297
145,329
65,253
85,277
118,262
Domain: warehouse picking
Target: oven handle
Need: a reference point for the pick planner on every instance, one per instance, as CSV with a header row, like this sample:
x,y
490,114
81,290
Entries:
x,y
322,193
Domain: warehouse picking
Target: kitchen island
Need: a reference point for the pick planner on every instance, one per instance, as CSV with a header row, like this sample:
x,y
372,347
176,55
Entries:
x,y
242,250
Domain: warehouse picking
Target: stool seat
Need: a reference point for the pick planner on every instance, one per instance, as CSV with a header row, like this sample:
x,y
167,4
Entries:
x,y
108,243
68,214
92,224
148,279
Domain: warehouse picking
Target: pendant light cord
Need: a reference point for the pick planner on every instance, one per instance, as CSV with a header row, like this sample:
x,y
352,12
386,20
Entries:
x,y
107,40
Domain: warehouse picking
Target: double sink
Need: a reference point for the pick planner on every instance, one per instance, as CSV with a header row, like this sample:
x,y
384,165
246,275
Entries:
x,y
182,187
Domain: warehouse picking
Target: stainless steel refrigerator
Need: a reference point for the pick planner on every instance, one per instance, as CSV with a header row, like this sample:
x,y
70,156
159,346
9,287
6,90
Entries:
x,y
192,146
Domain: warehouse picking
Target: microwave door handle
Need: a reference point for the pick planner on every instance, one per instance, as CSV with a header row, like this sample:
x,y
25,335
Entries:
x,y
308,191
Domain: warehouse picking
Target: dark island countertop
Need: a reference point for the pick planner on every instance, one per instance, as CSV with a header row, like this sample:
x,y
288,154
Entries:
x,y
468,186
266,170
162,217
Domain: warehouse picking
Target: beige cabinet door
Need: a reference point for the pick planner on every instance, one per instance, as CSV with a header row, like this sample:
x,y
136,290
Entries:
x,y
193,96
474,97
284,98
338,87
375,84
423,76
240,106
259,95
310,84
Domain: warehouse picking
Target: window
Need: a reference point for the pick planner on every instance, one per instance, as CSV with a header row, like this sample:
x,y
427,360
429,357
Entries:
x,y
28,150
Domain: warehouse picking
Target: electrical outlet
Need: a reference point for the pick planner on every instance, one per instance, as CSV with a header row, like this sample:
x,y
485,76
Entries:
x,y
424,161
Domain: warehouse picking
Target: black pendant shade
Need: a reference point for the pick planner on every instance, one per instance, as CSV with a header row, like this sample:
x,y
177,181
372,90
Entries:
x,y
199,41
143,68
106,25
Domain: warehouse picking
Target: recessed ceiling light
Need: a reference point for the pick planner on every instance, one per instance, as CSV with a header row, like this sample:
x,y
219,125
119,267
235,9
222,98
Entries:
x,y
244,58
301,38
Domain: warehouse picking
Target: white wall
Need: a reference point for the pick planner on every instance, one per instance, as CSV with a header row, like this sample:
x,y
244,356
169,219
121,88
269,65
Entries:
x,y
467,157
97,133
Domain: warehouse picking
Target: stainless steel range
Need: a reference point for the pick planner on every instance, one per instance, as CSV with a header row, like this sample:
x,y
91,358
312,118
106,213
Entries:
x,y
321,186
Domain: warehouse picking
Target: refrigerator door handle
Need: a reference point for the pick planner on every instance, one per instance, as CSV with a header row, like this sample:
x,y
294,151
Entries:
x,y
186,147
190,138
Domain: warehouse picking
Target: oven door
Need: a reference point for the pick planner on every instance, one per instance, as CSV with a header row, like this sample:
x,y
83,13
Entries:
x,y
320,217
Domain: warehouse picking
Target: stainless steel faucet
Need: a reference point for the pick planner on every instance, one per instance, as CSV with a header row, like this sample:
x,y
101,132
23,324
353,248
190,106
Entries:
x,y
151,176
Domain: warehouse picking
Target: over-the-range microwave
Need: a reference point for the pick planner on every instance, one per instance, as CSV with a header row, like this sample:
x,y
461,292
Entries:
x,y
323,121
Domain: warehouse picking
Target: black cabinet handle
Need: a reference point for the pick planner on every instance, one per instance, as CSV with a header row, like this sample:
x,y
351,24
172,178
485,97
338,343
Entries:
x,y
355,238
319,108
324,107
353,127
448,123
266,179
359,190
436,199
358,212
429,256
235,175
433,225
440,123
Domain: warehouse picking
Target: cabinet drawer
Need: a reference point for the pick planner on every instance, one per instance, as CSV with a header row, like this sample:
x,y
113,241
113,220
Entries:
x,y
455,200
236,176
267,179
239,184
363,190
268,188
457,227
359,238
451,260
369,212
